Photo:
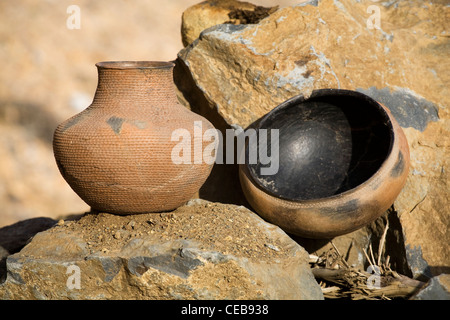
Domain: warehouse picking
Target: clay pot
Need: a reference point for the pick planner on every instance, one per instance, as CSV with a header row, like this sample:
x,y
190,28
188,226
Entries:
x,y
343,160
117,154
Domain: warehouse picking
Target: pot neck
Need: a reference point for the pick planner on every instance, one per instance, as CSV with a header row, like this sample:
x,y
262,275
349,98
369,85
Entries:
x,y
131,82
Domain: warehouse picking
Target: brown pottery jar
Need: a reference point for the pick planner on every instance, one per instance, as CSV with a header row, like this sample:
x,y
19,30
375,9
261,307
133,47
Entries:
x,y
117,154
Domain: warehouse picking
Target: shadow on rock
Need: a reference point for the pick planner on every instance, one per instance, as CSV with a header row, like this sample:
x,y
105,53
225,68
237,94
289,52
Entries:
x,y
14,237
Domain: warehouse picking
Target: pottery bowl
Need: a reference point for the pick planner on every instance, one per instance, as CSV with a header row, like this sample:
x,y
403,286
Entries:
x,y
341,161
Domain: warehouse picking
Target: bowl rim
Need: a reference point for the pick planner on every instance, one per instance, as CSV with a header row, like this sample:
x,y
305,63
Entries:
x,y
319,93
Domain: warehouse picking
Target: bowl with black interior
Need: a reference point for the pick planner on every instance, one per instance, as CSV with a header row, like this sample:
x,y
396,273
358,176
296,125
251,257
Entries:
x,y
338,160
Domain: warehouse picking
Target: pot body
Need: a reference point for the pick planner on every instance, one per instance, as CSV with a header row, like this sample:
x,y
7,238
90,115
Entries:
x,y
338,214
121,154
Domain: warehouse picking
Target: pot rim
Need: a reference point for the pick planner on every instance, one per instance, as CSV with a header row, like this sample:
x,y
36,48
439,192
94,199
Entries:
x,y
319,93
123,65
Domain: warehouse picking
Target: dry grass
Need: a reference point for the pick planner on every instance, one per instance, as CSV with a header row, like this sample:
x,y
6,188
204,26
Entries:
x,y
379,282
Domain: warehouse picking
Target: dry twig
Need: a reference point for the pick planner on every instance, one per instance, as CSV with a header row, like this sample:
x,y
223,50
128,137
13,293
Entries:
x,y
382,241
353,283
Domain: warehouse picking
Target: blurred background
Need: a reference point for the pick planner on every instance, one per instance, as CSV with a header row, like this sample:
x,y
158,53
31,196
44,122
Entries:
x,y
49,74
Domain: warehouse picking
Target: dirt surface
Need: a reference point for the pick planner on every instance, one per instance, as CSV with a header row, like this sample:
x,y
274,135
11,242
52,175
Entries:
x,y
224,228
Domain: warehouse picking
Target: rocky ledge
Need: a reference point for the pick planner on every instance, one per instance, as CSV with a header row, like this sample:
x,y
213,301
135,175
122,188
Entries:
x,y
202,250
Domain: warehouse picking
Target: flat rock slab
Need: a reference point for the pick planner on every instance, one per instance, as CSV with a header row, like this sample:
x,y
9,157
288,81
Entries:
x,y
202,250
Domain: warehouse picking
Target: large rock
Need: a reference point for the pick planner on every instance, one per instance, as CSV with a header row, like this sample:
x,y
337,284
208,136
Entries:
x,y
206,14
202,250
235,74
298,49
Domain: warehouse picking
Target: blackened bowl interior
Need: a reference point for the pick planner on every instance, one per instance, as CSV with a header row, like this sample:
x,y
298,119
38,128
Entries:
x,y
327,144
